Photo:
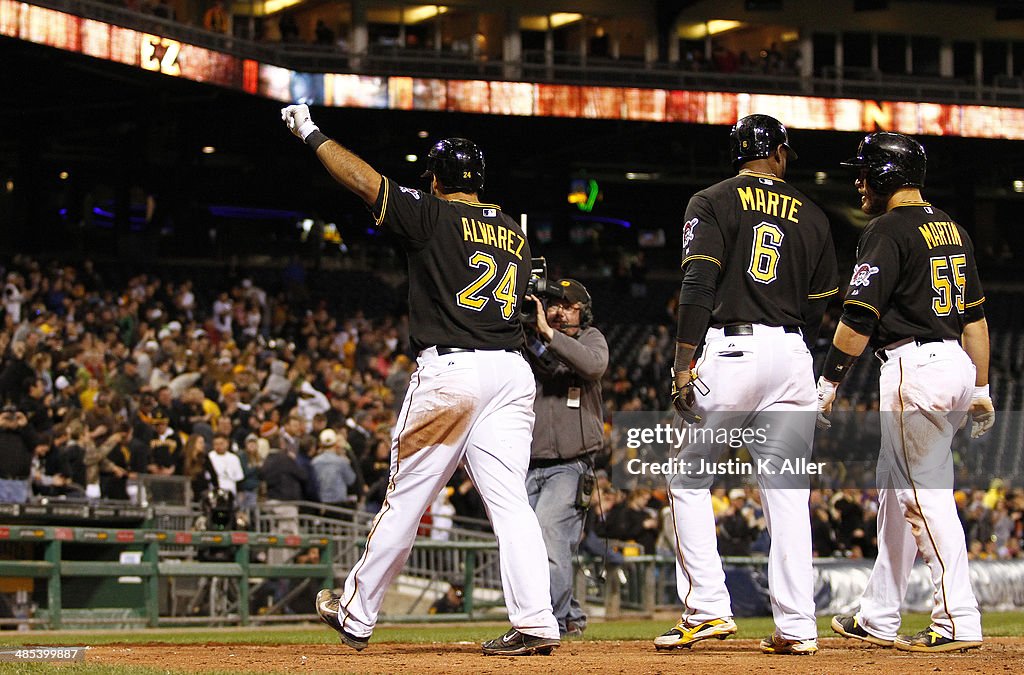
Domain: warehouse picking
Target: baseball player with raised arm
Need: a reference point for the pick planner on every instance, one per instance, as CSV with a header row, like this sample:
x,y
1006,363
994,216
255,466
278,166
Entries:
x,y
915,297
471,397
758,267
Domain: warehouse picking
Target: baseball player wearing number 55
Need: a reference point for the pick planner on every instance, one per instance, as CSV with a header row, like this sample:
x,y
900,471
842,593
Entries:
x,y
471,397
914,296
758,264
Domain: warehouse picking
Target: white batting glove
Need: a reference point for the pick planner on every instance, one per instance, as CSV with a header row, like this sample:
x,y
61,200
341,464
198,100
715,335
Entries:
x,y
983,413
826,396
296,117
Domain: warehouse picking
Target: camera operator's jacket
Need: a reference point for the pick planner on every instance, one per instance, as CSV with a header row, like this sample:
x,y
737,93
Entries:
x,y
581,361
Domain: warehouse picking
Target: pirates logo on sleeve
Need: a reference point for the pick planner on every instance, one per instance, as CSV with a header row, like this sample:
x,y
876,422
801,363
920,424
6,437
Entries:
x,y
415,193
688,228
862,274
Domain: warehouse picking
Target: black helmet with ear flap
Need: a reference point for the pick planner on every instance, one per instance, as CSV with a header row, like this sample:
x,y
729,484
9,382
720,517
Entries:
x,y
458,165
891,161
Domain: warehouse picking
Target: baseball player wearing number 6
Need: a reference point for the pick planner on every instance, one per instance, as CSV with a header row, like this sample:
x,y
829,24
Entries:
x,y
915,297
471,397
758,265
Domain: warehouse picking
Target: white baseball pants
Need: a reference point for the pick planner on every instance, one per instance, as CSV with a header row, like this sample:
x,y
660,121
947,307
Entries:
x,y
477,408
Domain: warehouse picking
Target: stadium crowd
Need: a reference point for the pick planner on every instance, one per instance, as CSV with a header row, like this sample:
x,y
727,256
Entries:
x,y
267,395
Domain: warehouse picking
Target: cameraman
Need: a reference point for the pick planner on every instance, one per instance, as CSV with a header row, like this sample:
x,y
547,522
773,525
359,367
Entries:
x,y
568,357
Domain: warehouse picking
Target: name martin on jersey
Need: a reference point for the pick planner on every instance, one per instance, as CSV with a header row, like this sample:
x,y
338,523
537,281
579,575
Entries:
x,y
940,233
498,236
769,202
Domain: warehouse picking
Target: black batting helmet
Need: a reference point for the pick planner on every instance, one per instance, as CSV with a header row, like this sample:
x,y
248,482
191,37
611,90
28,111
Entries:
x,y
458,165
892,161
756,137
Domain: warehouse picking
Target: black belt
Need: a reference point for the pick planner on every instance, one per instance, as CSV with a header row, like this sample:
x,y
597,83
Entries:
x,y
883,357
444,351
548,462
748,329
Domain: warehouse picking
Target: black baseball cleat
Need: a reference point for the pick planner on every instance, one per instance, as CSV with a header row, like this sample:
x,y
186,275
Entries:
x,y
514,643
328,606
848,626
929,640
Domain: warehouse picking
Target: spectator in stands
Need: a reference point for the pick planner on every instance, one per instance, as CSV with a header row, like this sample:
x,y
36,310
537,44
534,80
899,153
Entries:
x,y
167,457
216,20
122,460
286,480
37,405
14,296
324,35
249,459
227,466
289,33
17,441
736,530
198,467
334,472
16,373
632,520
50,471
126,381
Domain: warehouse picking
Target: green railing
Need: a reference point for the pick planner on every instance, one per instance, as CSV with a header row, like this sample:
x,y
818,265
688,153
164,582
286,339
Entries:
x,y
152,568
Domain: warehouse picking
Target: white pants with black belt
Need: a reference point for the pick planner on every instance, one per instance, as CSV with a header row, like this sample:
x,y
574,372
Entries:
x,y
473,407
759,381
925,392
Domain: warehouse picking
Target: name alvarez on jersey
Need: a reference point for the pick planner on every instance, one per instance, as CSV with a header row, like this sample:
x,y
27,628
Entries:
x,y
468,268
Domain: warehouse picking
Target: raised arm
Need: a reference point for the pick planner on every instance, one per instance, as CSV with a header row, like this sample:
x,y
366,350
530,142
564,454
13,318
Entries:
x,y
343,165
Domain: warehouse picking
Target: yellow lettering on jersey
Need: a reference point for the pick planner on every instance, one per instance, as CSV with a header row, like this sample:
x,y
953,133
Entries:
x,y
489,235
746,198
519,247
940,233
498,236
793,209
769,202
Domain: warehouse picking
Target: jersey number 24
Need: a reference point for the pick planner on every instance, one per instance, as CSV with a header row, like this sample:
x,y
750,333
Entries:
x,y
504,292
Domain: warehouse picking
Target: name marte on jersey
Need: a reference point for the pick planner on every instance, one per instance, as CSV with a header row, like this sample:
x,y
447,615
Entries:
x,y
497,236
940,233
769,202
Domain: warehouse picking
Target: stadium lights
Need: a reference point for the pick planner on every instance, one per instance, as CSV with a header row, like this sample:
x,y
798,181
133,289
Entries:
x,y
642,175
423,133
411,158
63,175
9,186
698,31
820,177
272,6
1018,186
209,149
411,15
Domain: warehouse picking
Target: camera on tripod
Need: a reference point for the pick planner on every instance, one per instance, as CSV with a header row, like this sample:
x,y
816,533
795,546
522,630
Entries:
x,y
541,287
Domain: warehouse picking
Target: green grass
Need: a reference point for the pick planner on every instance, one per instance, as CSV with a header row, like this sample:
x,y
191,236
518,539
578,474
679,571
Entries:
x,y
995,625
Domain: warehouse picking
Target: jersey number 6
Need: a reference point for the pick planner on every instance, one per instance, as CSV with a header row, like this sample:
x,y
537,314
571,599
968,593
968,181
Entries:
x,y
504,292
764,255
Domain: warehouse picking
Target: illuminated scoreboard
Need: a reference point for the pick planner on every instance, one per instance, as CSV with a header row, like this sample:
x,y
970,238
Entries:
x,y
178,59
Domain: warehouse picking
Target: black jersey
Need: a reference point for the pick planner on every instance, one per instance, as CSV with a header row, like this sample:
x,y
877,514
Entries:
x,y
916,273
772,245
469,265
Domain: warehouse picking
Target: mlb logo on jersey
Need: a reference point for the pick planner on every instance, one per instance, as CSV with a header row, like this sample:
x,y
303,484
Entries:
x,y
490,213
862,274
688,231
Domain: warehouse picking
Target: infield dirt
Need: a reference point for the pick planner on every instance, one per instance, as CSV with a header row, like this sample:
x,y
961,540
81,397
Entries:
x,y
998,655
